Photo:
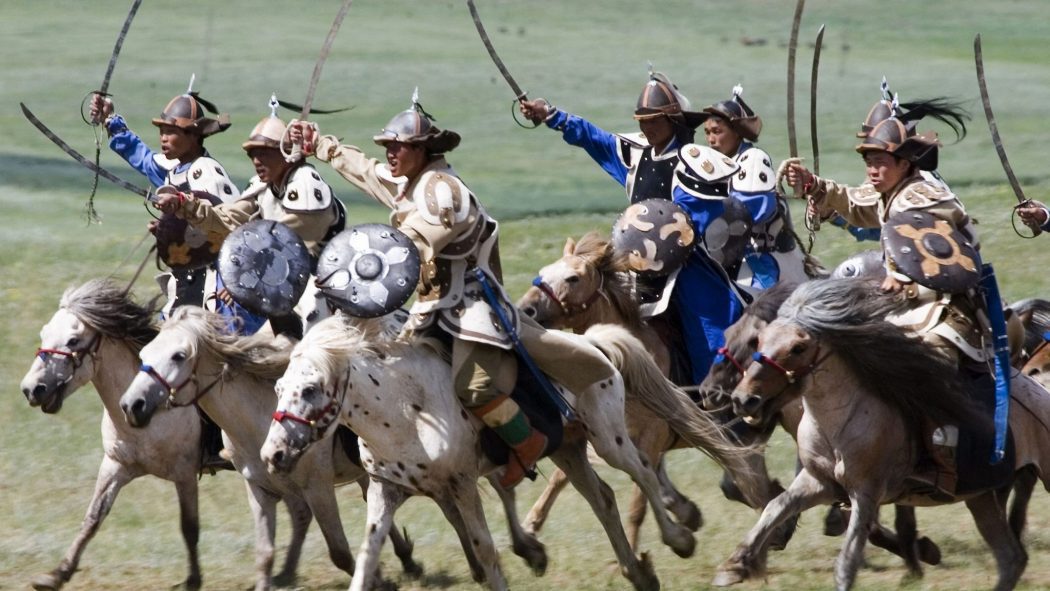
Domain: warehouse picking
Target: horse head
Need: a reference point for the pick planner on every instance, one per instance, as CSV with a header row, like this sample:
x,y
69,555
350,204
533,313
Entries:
x,y
1037,366
785,354
309,395
64,362
170,362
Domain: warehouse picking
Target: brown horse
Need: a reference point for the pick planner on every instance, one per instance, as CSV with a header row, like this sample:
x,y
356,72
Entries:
x,y
590,285
865,384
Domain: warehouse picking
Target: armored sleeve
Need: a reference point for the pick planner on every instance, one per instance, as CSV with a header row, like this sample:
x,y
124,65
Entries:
x,y
603,147
220,219
859,206
754,184
365,173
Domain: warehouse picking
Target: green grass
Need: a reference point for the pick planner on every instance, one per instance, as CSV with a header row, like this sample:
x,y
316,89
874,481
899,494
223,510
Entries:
x,y
587,57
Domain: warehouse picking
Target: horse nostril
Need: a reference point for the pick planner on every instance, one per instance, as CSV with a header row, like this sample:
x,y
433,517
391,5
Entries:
x,y
277,457
37,391
752,404
529,311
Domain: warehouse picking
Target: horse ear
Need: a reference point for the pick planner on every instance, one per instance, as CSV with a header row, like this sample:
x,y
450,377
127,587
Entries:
x,y
1025,317
570,246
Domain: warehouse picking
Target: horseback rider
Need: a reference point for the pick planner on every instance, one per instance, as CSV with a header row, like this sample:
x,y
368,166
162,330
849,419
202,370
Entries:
x,y
940,108
952,320
732,127
292,193
183,162
698,301
454,235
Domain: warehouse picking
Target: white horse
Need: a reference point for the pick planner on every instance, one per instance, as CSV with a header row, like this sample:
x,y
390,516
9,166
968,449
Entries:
x,y
193,361
95,336
417,438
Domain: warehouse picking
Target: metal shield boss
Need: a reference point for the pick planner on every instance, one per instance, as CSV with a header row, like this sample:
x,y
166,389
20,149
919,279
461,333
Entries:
x,y
931,252
265,266
657,236
182,246
727,236
368,270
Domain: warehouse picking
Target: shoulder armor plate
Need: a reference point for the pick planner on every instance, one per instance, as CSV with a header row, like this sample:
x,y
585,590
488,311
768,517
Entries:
x,y
206,174
922,194
706,163
864,195
442,199
306,191
756,174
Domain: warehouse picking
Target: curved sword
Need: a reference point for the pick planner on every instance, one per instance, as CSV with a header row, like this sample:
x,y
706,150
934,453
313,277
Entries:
x,y
992,127
104,89
109,176
792,47
519,94
813,100
325,48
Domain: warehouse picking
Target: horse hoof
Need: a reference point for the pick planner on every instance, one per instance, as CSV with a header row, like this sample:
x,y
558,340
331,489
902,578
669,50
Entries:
x,y
728,576
47,582
685,545
835,521
928,551
693,518
783,534
192,583
412,569
285,579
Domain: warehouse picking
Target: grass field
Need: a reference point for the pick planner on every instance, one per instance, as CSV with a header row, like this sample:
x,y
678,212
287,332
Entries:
x,y
587,57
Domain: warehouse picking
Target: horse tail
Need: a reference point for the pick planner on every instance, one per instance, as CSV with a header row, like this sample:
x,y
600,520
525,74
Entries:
x,y
644,381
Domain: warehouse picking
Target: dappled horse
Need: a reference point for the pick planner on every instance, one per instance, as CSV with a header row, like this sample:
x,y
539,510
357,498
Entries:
x,y
193,361
590,284
95,336
417,438
865,384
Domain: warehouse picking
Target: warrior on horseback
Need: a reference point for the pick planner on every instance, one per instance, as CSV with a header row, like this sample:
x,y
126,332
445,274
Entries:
x,y
454,236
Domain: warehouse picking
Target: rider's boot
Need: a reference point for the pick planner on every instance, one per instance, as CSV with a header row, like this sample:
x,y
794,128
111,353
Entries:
x,y
527,445
938,468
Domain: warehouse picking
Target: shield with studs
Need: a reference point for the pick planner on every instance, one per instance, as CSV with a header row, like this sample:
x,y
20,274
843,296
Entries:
x,y
931,252
368,270
657,236
265,266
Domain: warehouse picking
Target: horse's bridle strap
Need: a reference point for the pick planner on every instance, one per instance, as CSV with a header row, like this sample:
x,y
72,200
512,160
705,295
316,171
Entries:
x,y
77,356
792,375
725,353
569,309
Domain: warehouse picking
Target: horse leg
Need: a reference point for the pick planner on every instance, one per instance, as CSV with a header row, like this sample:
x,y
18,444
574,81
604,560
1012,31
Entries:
x,y
767,489
608,435
542,508
524,544
1010,555
749,558
321,500
300,517
189,520
477,572
467,503
383,500
264,509
400,540
863,516
571,457
112,476
1024,484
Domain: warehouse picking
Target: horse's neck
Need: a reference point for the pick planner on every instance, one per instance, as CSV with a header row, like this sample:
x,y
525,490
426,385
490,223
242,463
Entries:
x,y
239,403
116,365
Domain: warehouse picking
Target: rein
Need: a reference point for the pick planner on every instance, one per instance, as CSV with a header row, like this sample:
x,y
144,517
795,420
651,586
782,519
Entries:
x,y
570,309
791,375
725,354
173,390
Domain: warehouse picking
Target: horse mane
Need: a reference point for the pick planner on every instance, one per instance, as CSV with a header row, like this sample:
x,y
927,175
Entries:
x,y
110,310
768,301
848,315
1038,324
612,266
336,339
259,355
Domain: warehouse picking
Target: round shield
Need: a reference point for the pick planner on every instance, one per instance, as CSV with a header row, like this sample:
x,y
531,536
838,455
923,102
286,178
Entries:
x,y
866,263
657,236
728,235
368,270
931,252
182,246
265,266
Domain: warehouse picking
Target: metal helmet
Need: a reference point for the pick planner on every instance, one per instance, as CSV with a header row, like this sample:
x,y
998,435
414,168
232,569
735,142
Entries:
x,y
742,119
880,111
661,97
415,126
931,252
900,139
656,235
368,270
187,111
265,266
181,245
268,132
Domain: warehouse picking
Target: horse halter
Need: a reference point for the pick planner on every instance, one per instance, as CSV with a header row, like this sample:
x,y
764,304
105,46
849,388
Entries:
x,y
76,356
173,390
791,375
317,422
569,309
725,354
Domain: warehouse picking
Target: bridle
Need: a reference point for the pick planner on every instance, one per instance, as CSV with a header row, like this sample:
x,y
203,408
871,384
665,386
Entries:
x,y
567,308
791,375
725,354
76,356
319,421
173,390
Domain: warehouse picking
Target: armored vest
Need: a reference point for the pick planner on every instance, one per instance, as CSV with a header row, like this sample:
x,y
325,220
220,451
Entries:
x,y
648,176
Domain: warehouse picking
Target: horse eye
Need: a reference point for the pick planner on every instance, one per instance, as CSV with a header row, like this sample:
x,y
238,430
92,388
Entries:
x,y
178,357
309,391
798,349
73,342
752,343
572,279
